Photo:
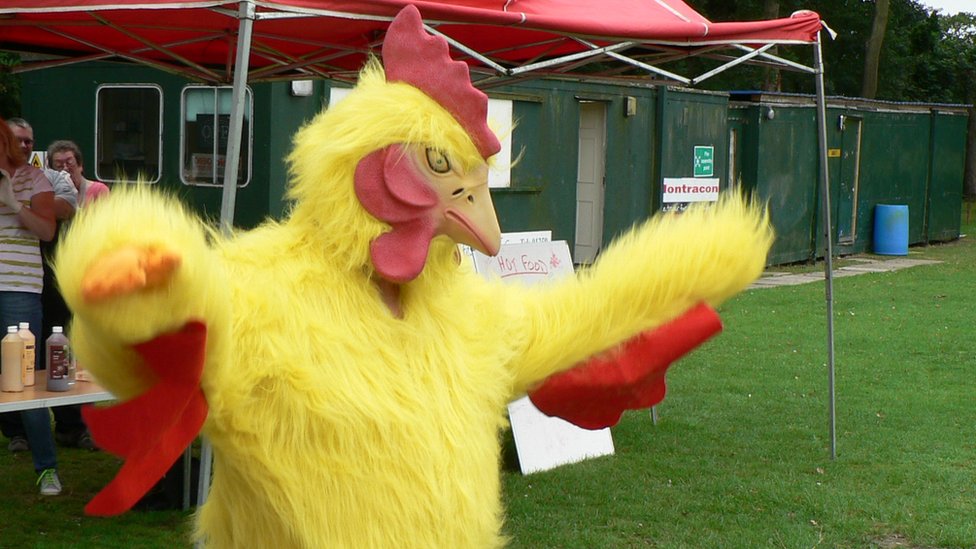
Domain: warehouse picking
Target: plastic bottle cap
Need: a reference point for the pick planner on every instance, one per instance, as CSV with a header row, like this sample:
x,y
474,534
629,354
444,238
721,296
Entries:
x,y
57,329
24,325
12,329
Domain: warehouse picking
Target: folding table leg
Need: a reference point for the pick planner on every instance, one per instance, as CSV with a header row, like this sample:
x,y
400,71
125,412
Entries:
x,y
187,471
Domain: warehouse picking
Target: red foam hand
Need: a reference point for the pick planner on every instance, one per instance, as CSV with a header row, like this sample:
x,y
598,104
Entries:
x,y
595,394
152,430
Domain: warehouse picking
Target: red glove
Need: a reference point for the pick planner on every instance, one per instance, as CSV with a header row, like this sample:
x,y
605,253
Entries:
x,y
152,430
595,394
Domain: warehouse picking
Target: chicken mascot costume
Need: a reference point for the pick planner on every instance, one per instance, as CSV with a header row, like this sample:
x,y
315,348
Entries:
x,y
349,368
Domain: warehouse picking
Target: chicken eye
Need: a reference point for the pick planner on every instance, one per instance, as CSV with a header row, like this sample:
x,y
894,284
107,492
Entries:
x,y
437,161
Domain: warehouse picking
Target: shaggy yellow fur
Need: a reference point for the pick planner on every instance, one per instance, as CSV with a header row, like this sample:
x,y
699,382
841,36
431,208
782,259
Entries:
x,y
335,424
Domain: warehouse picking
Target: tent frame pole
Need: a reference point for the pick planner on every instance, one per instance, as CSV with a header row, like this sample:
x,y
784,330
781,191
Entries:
x,y
246,15
828,236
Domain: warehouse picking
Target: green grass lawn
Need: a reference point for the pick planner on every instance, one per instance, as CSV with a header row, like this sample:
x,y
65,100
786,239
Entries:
x,y
740,455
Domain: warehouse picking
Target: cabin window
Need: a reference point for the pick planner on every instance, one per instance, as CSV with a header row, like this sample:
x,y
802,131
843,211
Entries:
x,y
128,132
206,124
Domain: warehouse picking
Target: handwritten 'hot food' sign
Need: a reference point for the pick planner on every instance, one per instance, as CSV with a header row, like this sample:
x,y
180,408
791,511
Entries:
x,y
528,263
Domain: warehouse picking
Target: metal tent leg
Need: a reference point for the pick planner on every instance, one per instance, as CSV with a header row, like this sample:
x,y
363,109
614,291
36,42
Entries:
x,y
187,472
246,17
203,488
828,236
246,14
206,461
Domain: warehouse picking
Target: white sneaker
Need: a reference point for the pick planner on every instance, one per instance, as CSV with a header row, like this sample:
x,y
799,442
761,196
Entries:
x,y
49,482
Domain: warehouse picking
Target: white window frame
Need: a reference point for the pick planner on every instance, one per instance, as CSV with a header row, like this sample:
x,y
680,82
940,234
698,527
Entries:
x,y
249,143
95,157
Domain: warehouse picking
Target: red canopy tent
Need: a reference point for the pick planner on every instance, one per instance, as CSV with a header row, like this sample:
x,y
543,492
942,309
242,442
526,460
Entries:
x,y
244,41
328,38
241,41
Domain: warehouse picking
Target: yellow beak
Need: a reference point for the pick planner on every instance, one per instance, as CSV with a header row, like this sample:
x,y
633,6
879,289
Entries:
x,y
470,219
467,214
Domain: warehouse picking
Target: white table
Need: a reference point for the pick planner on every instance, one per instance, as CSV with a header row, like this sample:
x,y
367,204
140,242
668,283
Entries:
x,y
36,396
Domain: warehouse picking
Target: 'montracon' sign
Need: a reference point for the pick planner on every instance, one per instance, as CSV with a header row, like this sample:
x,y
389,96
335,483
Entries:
x,y
689,189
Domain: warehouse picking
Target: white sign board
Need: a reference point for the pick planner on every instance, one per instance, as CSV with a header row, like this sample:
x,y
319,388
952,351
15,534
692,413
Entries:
x,y
542,442
527,263
525,237
507,239
689,189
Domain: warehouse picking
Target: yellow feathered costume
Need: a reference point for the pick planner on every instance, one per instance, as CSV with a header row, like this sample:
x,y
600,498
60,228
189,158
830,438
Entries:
x,y
347,410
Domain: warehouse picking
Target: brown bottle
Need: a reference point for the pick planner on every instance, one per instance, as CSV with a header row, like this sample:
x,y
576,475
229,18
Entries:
x,y
11,374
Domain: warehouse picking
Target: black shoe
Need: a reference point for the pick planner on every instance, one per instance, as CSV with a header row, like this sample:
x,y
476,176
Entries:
x,y
78,439
18,444
85,441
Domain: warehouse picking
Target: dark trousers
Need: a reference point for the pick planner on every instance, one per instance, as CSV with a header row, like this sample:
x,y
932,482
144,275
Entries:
x,y
67,421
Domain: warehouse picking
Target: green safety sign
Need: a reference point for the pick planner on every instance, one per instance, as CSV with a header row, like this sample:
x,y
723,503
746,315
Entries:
x,y
704,161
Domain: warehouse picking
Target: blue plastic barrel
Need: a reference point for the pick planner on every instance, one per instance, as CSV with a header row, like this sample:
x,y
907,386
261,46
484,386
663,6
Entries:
x,y
891,229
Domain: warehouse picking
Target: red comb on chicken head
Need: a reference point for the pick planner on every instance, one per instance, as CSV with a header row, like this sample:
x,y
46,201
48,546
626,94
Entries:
x,y
418,190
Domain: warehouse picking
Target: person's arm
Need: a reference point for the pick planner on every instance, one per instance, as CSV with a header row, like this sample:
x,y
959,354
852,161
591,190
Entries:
x,y
65,193
63,209
38,216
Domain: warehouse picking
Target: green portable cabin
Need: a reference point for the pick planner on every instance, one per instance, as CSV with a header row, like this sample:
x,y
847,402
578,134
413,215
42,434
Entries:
x,y
584,160
878,153
692,142
774,155
135,122
594,157
587,158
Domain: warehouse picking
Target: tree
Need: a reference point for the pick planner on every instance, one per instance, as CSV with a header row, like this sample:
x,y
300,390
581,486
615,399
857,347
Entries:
x,y
896,50
905,59
872,56
771,77
9,86
959,49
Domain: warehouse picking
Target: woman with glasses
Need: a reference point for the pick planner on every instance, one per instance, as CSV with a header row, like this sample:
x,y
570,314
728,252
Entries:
x,y
66,155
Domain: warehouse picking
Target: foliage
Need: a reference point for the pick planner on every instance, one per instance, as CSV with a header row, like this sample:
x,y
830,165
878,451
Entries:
x,y
926,56
957,50
9,86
